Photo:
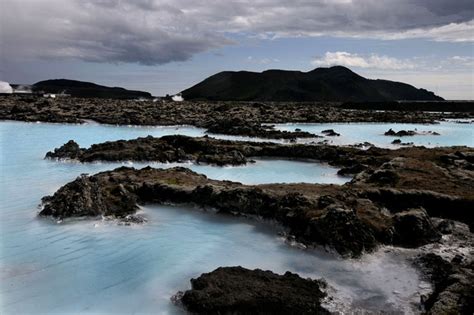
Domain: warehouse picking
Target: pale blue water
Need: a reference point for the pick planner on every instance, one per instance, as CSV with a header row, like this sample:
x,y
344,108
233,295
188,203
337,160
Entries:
x,y
451,133
95,267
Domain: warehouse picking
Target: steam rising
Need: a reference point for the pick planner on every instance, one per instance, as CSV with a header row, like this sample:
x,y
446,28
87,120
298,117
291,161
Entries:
x,y
5,87
177,98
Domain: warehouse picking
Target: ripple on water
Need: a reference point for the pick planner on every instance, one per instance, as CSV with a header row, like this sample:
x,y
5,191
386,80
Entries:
x,y
99,267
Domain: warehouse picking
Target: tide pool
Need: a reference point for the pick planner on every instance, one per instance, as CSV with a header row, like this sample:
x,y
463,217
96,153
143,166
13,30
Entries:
x,y
99,267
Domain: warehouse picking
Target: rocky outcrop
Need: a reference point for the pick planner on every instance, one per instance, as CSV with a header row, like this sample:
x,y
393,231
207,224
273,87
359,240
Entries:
x,y
343,230
118,192
330,133
413,228
236,290
349,219
240,127
166,149
435,204
208,150
401,133
391,199
69,150
90,197
406,133
453,284
200,114
382,167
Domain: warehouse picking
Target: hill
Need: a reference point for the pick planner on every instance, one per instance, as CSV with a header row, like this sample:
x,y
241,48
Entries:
x,y
86,89
322,84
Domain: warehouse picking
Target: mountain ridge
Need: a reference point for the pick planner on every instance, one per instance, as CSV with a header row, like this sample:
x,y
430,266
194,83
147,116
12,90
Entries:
x,y
336,83
86,89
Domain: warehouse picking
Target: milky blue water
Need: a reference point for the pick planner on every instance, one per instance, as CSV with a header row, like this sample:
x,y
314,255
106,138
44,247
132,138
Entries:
x,y
97,267
451,133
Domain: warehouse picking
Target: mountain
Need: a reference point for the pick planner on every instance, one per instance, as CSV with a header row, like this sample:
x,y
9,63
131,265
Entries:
x,y
322,84
86,89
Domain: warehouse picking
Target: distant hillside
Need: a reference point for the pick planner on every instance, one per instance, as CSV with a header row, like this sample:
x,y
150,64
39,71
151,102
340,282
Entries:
x,y
322,84
86,89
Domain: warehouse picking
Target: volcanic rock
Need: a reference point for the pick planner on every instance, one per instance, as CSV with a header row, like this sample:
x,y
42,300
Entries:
x,y
413,228
401,133
236,290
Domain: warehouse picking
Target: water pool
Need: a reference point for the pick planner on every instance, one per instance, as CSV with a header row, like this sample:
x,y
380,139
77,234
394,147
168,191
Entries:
x,y
99,267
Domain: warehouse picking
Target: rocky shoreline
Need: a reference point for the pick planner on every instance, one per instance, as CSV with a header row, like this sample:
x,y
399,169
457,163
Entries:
x,y
232,118
349,219
394,199
178,148
207,150
407,197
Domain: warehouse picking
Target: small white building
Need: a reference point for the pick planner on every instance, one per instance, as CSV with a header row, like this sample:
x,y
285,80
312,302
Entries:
x,y
52,95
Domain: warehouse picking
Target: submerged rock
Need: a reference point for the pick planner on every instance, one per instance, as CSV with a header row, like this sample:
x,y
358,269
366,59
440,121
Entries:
x,y
236,290
407,133
401,133
330,133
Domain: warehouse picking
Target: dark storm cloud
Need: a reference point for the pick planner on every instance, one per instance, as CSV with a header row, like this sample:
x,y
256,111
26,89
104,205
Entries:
x,y
159,31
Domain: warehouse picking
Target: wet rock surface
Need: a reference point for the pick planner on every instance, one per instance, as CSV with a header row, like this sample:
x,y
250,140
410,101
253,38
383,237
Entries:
x,y
212,115
407,133
453,284
69,150
352,218
381,166
330,133
165,149
413,228
236,290
240,127
395,197
401,133
204,150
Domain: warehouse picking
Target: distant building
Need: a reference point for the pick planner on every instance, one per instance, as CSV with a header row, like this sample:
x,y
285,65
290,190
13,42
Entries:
x,y
177,98
52,95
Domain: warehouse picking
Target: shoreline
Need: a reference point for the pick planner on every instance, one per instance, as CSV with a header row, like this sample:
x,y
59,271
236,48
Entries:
x,y
200,114
180,185
394,199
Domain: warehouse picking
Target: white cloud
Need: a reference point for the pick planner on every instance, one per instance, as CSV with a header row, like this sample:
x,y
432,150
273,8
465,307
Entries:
x,y
453,32
463,61
262,61
160,31
373,61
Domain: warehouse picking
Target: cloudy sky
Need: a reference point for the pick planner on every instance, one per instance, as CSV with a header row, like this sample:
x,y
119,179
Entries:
x,y
165,46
